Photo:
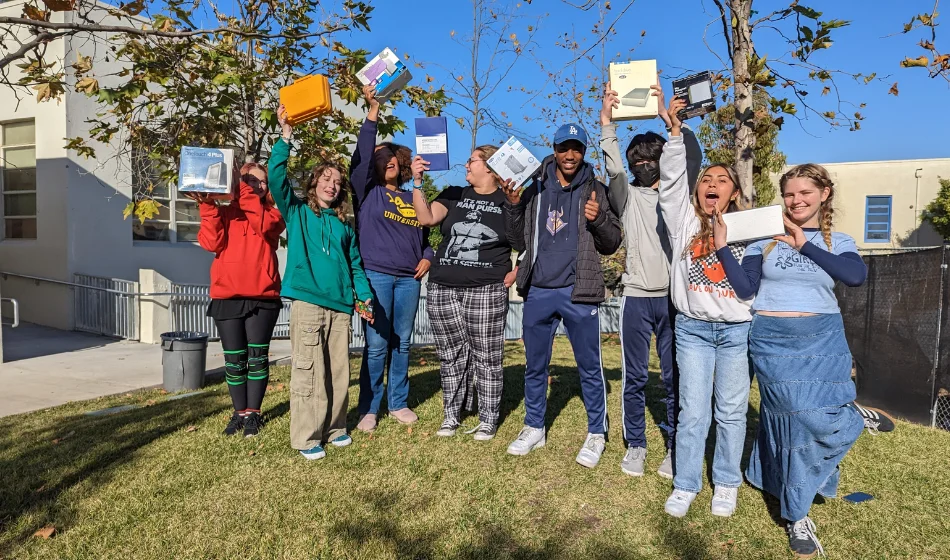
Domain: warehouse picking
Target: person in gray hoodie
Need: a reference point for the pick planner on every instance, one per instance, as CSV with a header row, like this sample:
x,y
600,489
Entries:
x,y
646,308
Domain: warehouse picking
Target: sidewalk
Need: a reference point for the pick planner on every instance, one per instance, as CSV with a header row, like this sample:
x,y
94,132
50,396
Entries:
x,y
47,367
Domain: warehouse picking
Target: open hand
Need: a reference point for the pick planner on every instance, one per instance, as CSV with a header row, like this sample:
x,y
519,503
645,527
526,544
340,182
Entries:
x,y
422,269
795,238
419,166
513,194
200,198
719,230
592,208
611,102
511,277
286,129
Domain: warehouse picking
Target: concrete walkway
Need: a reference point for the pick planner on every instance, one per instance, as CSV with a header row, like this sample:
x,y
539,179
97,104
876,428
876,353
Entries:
x,y
46,367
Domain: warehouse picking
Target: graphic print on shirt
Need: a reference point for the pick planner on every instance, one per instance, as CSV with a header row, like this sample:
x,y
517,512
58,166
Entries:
x,y
706,273
468,237
555,223
788,258
404,214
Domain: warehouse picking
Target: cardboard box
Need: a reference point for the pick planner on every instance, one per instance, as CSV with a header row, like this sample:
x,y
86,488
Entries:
x,y
432,142
758,223
386,73
632,81
698,92
514,161
206,170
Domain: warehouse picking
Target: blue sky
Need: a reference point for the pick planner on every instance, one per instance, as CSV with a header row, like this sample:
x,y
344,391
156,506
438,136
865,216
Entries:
x,y
911,125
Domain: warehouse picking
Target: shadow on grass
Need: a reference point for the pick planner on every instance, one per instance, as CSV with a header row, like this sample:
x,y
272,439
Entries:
x,y
40,465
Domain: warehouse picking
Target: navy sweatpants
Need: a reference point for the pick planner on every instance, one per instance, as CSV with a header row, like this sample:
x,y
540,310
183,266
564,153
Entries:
x,y
642,317
543,310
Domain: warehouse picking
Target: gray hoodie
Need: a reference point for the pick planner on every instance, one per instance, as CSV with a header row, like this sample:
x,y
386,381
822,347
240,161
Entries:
x,y
647,269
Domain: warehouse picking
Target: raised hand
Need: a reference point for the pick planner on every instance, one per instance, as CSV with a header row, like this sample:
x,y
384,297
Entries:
x,y
200,198
677,104
422,269
611,102
419,166
719,230
592,208
661,102
795,238
513,194
286,129
369,94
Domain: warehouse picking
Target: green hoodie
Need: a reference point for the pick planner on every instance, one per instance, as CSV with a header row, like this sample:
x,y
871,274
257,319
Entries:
x,y
323,262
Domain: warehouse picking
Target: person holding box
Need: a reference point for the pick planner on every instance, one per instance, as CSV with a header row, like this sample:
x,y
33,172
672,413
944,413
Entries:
x,y
808,418
324,277
467,297
563,223
396,253
711,329
646,309
245,289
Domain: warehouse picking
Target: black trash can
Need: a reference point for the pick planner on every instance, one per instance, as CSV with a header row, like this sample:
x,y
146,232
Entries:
x,y
184,356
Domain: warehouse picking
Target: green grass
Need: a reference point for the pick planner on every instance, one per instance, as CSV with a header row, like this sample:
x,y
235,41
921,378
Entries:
x,y
145,484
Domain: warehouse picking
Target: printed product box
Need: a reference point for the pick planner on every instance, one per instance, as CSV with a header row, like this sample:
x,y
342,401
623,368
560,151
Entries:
x,y
386,73
698,92
514,161
758,223
632,81
432,142
206,170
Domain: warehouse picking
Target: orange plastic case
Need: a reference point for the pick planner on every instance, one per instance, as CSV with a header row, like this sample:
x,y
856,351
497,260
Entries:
x,y
306,99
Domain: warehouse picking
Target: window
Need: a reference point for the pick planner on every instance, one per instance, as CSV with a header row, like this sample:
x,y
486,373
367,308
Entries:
x,y
877,220
178,218
18,180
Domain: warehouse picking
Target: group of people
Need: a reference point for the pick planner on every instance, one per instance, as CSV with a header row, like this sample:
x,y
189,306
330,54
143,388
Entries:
x,y
720,312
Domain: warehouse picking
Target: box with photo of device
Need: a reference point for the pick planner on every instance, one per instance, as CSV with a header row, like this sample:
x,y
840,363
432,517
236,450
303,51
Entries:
x,y
697,90
632,81
514,161
386,73
206,170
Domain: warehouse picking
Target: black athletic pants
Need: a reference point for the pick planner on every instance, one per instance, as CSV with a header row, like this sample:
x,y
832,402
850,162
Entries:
x,y
246,342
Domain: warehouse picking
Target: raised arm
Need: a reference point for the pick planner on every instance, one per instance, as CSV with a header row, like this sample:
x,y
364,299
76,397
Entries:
x,y
848,267
617,182
674,182
516,201
428,213
277,182
362,166
694,157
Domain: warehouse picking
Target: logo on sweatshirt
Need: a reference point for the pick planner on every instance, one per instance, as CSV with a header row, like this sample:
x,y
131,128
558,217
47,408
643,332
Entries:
x,y
555,223
404,214
707,274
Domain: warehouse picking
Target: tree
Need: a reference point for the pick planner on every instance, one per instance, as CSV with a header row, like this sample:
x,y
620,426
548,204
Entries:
x,y
803,31
936,63
172,83
716,133
938,211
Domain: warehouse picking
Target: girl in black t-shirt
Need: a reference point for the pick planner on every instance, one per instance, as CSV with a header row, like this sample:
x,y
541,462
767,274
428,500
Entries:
x,y
467,293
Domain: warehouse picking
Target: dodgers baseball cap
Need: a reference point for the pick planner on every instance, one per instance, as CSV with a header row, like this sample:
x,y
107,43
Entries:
x,y
572,131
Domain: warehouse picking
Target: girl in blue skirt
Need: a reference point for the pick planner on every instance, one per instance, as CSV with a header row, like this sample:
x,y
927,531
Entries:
x,y
808,419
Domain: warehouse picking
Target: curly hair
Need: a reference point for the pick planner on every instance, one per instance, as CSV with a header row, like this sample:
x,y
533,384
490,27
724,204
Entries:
x,y
342,204
403,158
704,237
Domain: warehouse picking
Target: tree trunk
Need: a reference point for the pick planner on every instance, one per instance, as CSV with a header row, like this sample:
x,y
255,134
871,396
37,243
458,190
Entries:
x,y
741,11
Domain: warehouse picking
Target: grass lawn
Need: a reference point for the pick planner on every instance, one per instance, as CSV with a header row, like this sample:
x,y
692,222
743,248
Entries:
x,y
161,482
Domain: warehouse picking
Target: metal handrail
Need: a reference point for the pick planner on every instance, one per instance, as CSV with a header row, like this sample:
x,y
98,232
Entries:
x,y
16,312
75,285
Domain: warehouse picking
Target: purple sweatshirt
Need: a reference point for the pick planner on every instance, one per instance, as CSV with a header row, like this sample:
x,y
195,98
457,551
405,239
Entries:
x,y
390,238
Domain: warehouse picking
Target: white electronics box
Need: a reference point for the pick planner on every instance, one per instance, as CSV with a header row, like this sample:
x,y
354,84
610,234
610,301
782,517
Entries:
x,y
632,81
514,161
758,223
205,170
386,73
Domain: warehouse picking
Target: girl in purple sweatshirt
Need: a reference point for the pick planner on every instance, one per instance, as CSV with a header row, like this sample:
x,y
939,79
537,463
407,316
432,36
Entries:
x,y
396,255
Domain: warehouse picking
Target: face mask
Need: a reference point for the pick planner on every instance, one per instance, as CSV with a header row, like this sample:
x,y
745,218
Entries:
x,y
647,173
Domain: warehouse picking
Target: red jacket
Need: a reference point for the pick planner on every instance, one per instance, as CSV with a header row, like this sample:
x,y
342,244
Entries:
x,y
244,239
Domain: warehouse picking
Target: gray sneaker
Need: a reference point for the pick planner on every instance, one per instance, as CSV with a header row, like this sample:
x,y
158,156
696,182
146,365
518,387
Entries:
x,y
447,429
666,467
529,438
632,463
589,455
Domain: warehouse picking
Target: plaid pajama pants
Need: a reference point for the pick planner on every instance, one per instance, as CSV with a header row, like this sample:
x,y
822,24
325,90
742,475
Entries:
x,y
468,325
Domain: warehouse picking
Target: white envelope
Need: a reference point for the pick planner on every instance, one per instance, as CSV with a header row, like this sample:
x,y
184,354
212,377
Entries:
x,y
758,223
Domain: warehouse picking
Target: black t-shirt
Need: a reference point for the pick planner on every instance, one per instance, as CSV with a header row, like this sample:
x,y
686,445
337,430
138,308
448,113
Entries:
x,y
474,249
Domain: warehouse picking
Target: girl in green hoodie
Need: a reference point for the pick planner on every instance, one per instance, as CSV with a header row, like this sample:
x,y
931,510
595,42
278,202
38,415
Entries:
x,y
324,277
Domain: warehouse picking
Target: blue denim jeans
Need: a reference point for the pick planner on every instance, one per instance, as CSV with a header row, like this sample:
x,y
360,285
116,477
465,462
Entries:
x,y
395,301
713,359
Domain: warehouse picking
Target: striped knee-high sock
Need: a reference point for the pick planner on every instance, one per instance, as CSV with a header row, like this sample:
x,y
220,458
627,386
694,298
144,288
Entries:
x,y
258,374
235,374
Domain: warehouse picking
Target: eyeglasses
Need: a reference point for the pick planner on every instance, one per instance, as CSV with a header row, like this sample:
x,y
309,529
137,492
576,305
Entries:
x,y
471,159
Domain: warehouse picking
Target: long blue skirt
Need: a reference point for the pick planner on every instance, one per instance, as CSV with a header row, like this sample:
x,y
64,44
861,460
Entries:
x,y
806,425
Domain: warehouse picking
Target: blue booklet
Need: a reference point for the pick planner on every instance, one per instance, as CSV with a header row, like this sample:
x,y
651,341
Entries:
x,y
432,142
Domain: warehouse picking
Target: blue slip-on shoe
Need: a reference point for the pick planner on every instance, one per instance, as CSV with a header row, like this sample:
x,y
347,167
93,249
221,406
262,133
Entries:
x,y
341,441
314,453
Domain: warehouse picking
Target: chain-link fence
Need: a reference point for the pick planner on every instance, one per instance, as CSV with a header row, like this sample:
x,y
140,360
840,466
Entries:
x,y
896,324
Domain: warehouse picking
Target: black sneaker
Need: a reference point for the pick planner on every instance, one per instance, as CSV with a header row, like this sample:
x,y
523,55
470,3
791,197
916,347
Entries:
x,y
235,424
252,424
874,421
802,539
483,431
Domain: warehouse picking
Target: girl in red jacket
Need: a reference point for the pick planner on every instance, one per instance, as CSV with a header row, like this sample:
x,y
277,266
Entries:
x,y
245,289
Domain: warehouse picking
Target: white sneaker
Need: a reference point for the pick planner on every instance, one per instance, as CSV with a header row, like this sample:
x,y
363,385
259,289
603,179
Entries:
x,y
589,455
724,501
678,503
529,438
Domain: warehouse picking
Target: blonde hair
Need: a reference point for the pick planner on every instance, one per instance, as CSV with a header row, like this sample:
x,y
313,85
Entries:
x,y
821,179
704,237
341,205
487,151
